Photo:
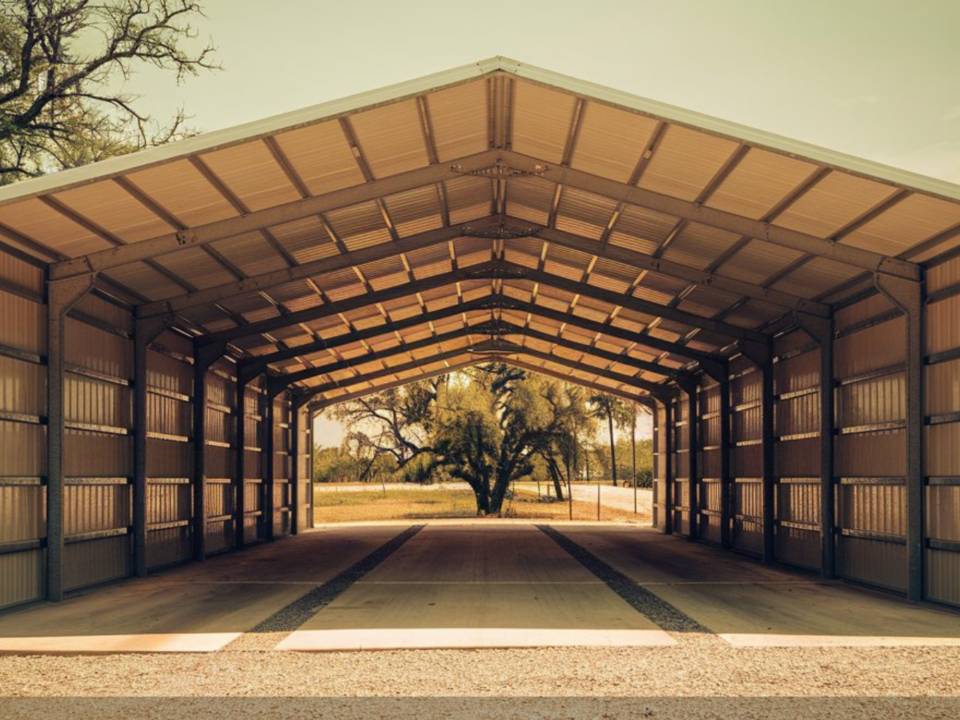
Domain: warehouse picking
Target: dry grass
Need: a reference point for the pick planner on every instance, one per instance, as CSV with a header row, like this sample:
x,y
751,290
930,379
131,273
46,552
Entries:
x,y
411,504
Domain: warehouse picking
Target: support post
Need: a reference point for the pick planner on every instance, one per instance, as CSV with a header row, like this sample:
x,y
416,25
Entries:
x,y
762,356
62,295
908,296
145,331
312,517
821,330
689,386
204,357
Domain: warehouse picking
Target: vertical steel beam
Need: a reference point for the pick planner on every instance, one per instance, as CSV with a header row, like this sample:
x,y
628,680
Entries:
x,y
689,385
62,295
908,296
145,332
762,356
311,417
204,357
821,330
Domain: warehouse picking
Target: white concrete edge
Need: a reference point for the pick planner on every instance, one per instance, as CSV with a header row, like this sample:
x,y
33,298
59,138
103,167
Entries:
x,y
105,644
400,91
761,640
467,638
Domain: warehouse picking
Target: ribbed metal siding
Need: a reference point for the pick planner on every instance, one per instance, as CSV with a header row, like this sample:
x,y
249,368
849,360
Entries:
x,y
708,438
169,452
98,443
942,436
870,448
23,410
253,524
681,467
220,457
282,488
746,456
660,461
304,470
796,387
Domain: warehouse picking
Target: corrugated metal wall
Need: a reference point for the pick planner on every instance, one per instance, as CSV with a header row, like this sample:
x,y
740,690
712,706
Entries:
x,y
942,433
220,456
304,469
660,459
282,486
709,466
746,438
254,399
98,443
169,450
796,387
23,410
681,467
870,445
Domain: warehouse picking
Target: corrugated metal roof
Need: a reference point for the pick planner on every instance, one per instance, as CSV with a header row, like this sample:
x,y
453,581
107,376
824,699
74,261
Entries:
x,y
430,195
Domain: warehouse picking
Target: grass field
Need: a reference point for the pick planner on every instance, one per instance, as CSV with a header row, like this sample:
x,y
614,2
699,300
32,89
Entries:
x,y
332,506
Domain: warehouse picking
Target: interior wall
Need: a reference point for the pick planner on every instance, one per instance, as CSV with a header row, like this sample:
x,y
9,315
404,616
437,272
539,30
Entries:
x,y
220,456
746,438
169,450
942,433
98,443
871,443
709,488
661,429
23,432
681,466
796,387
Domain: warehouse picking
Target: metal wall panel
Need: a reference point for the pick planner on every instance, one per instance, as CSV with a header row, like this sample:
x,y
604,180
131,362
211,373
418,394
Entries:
x,y
942,435
23,435
871,449
220,460
254,522
98,443
746,456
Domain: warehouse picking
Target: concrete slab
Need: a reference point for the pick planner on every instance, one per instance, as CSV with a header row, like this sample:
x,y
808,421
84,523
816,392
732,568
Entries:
x,y
754,605
468,639
468,586
200,607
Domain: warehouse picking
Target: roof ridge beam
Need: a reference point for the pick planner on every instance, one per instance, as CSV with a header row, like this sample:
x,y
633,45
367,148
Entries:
x,y
699,213
269,217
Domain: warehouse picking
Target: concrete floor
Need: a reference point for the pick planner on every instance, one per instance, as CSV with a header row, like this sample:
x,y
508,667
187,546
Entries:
x,y
471,584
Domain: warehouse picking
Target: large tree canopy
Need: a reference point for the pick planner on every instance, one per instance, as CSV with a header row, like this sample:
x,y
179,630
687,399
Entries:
x,y
63,64
488,426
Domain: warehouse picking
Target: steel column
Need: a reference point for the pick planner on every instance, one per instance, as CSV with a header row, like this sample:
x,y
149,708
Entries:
x,y
204,357
908,296
144,333
311,417
62,295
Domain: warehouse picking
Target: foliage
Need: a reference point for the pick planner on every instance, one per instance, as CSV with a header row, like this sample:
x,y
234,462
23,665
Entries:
x,y
63,64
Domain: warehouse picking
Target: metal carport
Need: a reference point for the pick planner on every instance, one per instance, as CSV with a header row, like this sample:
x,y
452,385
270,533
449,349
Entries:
x,y
789,312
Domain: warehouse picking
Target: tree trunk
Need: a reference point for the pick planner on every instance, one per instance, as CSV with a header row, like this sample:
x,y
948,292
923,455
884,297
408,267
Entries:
x,y
557,479
613,450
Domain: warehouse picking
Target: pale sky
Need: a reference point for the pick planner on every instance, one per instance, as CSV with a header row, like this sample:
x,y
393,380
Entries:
x,y
873,78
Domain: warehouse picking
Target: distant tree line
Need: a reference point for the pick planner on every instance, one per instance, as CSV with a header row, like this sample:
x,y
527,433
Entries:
x,y
488,426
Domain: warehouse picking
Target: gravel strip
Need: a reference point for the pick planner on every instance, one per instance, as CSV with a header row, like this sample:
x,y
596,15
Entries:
x,y
682,627
271,631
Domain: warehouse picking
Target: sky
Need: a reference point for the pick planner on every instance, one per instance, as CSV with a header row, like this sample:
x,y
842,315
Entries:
x,y
873,78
